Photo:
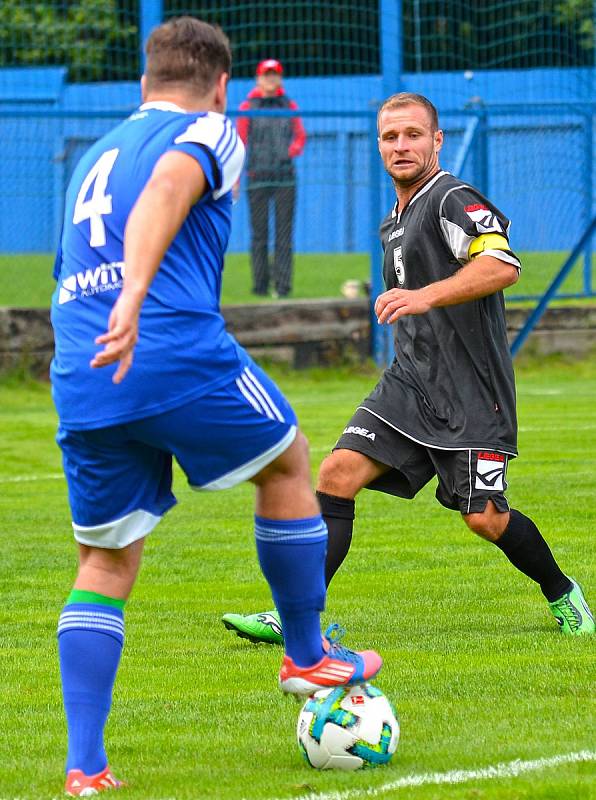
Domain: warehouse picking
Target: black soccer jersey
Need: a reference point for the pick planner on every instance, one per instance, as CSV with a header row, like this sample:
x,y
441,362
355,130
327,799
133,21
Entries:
x,y
451,384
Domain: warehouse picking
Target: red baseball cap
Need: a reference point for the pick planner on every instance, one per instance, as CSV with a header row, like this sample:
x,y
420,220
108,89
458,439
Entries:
x,y
269,65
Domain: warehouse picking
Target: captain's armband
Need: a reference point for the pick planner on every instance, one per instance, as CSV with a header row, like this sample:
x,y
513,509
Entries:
x,y
488,241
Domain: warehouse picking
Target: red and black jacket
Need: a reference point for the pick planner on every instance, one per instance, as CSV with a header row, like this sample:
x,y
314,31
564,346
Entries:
x,y
272,142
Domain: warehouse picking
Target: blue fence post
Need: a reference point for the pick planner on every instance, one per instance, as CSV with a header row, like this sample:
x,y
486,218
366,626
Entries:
x,y
535,316
588,209
481,178
377,332
150,15
390,37
468,141
391,64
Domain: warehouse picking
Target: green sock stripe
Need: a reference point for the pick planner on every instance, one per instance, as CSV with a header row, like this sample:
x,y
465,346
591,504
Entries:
x,y
82,596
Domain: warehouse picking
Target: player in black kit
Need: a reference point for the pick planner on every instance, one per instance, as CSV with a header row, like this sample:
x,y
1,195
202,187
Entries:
x,y
446,405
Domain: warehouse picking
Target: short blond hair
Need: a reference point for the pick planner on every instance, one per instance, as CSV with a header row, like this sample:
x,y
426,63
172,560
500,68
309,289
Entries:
x,y
408,99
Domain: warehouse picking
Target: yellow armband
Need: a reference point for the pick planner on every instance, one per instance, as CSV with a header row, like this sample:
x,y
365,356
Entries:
x,y
488,241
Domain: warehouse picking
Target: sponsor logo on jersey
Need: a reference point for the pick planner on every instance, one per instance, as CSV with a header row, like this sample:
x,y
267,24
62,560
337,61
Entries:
x,y
398,264
89,282
483,217
396,234
361,432
490,471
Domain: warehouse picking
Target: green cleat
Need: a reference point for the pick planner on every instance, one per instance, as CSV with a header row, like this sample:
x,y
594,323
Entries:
x,y
264,627
572,613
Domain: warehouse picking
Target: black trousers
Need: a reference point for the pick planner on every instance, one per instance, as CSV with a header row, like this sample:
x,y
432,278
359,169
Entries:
x,y
261,199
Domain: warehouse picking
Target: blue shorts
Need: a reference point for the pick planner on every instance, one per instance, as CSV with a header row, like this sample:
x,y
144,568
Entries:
x,y
120,478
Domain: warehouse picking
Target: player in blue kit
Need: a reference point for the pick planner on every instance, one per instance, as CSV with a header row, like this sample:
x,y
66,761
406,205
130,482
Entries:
x,y
147,221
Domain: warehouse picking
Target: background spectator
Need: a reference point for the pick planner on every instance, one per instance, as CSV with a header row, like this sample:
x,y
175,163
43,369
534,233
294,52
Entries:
x,y
272,144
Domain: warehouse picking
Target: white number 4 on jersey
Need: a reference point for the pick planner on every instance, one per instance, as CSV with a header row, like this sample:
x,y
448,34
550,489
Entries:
x,y
100,203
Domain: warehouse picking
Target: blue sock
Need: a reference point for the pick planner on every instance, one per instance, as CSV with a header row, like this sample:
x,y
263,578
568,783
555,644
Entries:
x,y
90,640
292,556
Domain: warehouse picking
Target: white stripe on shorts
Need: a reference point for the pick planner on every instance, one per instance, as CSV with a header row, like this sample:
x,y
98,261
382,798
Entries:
x,y
250,398
118,533
263,408
469,481
246,471
262,392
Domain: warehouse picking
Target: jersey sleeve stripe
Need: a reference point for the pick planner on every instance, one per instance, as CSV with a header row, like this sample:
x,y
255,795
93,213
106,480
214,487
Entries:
x,y
229,148
457,239
224,135
224,140
504,255
206,130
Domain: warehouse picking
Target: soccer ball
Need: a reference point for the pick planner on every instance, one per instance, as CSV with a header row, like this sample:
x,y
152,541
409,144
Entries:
x,y
347,728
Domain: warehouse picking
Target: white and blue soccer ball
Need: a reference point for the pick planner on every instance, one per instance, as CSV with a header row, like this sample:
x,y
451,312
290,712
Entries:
x,y
348,728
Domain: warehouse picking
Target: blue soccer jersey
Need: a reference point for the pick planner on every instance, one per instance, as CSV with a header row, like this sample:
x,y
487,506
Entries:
x,y
183,349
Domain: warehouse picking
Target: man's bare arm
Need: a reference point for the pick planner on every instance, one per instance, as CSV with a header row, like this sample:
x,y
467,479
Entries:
x,y
177,182
478,278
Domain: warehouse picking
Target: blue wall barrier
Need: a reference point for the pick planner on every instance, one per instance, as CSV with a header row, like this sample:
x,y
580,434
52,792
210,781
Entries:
x,y
538,163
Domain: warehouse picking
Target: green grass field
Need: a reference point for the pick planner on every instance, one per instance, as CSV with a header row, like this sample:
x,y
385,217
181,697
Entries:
x,y
26,279
473,661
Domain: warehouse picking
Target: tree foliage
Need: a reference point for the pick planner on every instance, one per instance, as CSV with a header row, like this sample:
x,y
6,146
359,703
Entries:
x,y
497,34
99,39
95,39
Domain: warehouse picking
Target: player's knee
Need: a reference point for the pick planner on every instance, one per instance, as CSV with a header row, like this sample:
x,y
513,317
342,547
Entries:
x,y
119,564
336,477
292,464
301,459
489,524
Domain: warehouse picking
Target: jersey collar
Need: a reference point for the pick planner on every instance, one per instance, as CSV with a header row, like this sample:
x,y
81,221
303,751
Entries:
x,y
162,105
420,191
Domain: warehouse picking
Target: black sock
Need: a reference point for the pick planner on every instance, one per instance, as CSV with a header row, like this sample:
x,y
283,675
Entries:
x,y
524,546
338,514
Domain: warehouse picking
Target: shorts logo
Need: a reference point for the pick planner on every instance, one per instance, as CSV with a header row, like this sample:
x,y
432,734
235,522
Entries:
x,y
398,264
486,221
361,432
490,471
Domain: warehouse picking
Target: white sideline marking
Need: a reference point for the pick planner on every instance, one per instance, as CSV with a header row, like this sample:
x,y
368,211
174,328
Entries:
x,y
511,769
588,426
54,476
540,392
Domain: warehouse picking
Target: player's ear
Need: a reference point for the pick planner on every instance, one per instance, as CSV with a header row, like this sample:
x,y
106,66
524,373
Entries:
x,y
438,140
221,92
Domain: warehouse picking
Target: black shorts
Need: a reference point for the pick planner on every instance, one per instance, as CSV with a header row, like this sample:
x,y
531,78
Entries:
x,y
468,479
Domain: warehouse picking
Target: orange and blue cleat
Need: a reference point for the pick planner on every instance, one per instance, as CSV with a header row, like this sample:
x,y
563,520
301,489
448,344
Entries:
x,y
80,785
338,667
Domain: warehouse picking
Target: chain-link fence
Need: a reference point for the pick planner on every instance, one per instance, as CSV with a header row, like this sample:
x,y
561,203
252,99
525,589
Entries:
x,y
516,103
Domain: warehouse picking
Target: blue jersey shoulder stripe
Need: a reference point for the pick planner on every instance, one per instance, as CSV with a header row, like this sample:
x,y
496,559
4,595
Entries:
x,y
229,149
224,147
207,130
225,136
